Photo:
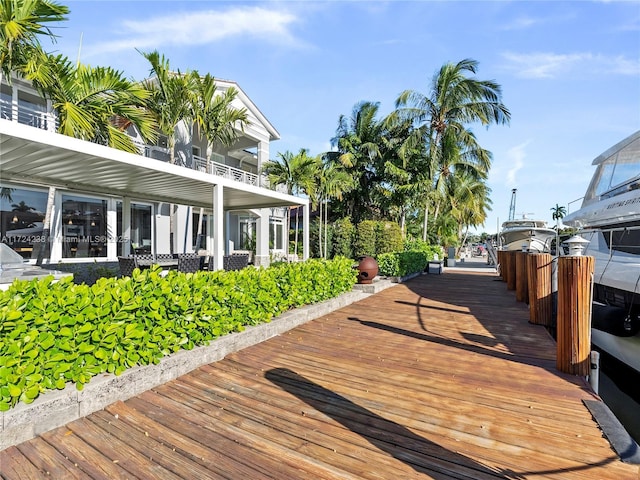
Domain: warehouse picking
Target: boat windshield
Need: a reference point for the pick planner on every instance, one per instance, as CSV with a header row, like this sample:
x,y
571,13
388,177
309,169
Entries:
x,y
616,173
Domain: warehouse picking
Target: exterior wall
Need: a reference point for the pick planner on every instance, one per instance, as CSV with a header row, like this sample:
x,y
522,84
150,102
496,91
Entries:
x,y
21,97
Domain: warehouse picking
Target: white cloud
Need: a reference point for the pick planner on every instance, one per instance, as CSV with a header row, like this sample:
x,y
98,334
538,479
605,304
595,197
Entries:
x,y
201,28
515,157
551,65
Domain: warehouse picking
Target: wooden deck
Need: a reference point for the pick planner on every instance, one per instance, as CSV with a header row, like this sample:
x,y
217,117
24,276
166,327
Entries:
x,y
441,377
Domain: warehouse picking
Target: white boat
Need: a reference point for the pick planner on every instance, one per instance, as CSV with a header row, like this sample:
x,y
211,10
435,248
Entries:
x,y
609,219
525,233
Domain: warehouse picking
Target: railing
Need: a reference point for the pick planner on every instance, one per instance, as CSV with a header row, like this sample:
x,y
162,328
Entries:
x,y
220,170
28,116
47,121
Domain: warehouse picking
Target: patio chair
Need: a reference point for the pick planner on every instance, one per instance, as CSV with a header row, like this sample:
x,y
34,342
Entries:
x,y
127,265
190,262
144,260
235,262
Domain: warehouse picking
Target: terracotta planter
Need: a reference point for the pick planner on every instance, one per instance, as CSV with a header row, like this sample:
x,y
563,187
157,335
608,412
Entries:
x,y
368,269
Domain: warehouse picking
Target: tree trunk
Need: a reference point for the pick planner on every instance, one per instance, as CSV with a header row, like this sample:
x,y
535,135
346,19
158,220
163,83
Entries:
x,y
46,227
426,222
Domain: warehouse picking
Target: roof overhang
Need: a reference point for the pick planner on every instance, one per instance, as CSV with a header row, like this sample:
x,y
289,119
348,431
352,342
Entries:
x,y
33,156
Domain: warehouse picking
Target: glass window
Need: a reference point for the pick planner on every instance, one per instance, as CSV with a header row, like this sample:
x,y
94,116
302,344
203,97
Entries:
x,y
276,234
22,218
247,234
199,241
141,239
84,227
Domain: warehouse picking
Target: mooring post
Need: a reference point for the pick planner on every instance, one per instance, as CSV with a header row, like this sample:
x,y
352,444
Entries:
x,y
594,376
522,288
539,274
510,257
575,277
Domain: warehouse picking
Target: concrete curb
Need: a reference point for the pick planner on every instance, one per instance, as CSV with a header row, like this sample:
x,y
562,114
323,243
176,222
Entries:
x,y
59,407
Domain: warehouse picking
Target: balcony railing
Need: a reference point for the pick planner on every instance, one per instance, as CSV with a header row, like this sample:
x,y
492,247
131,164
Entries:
x,y
47,121
28,115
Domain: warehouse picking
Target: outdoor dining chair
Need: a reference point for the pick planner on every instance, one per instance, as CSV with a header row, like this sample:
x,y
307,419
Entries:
x,y
190,262
235,262
127,265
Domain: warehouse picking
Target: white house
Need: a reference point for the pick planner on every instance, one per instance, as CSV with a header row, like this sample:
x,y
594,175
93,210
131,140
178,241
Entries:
x,y
108,202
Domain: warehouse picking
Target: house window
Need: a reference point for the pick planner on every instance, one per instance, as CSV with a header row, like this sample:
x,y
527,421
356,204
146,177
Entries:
x,y
141,231
199,240
247,233
22,218
84,227
276,234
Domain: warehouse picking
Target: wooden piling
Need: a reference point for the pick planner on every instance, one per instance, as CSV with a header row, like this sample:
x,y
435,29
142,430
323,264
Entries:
x,y
522,289
510,257
501,269
539,280
575,277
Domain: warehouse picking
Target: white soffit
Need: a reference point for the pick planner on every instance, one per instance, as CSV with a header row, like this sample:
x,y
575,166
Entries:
x,y
34,156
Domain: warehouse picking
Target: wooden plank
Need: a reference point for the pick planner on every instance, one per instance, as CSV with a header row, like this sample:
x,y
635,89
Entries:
x,y
440,377
15,466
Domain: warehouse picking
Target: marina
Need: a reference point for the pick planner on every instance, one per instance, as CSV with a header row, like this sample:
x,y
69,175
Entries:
x,y
421,380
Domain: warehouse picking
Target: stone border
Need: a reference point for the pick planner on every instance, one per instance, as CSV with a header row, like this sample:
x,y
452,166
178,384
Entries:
x,y
59,407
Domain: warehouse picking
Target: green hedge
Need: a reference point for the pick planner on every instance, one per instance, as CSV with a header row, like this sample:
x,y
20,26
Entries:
x,y
55,333
401,264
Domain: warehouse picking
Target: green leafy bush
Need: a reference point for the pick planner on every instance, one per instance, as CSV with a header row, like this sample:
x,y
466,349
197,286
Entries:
x,y
401,264
55,333
365,243
343,235
388,237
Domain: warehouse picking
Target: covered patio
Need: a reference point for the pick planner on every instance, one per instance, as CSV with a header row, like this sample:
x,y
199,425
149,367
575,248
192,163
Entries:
x,y
34,157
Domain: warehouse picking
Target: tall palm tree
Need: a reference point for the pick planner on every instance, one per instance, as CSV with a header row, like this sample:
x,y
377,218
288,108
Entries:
x,y
333,182
218,120
441,116
358,142
172,97
559,212
297,173
22,23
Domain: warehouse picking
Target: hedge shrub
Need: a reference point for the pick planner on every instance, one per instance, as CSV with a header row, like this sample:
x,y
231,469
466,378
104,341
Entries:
x,y
388,237
365,243
401,264
55,333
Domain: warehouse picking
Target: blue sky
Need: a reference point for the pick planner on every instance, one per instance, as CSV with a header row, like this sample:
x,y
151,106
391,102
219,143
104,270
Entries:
x,y
569,71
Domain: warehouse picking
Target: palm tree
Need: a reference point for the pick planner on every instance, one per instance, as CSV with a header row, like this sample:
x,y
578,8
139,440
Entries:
x,y
440,117
358,142
559,212
96,104
22,23
172,97
214,114
296,173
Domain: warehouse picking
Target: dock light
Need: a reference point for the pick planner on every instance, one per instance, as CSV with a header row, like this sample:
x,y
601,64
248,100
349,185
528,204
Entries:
x,y
577,245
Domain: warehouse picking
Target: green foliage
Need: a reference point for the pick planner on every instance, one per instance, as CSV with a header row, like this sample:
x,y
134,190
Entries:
x,y
388,237
365,243
418,245
401,264
55,333
343,234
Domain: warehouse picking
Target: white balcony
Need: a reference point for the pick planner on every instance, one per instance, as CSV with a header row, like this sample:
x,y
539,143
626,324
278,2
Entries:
x,y
32,116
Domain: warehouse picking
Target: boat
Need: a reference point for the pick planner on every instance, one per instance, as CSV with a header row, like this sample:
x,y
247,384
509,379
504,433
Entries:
x,y
609,219
526,234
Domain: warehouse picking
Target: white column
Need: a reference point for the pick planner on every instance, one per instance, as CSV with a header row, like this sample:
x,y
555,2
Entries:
x,y
218,227
305,232
262,238
263,156
126,226
112,226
